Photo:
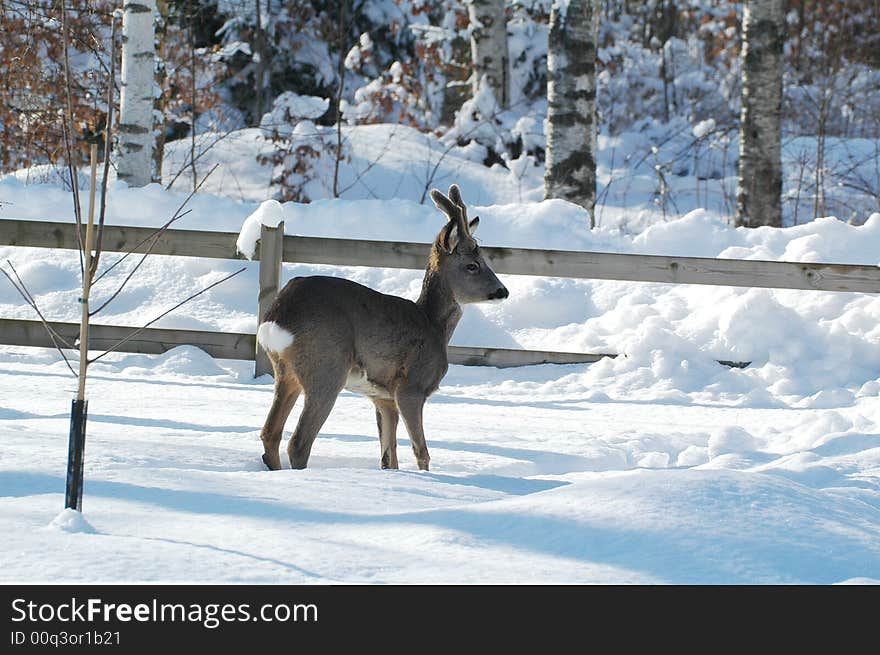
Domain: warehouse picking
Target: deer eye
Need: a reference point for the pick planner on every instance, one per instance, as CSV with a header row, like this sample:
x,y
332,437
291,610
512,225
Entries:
x,y
473,267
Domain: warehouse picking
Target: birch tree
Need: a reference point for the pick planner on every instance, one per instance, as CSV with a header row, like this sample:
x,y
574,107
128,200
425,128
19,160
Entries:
x,y
489,47
759,187
570,168
137,129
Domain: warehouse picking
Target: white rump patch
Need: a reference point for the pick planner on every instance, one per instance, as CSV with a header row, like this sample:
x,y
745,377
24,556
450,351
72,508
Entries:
x,y
273,337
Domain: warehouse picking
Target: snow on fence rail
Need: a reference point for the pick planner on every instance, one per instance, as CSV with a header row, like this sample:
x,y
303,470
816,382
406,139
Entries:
x,y
392,254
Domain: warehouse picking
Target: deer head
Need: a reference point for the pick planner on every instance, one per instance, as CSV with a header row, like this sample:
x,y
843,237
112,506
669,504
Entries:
x,y
456,256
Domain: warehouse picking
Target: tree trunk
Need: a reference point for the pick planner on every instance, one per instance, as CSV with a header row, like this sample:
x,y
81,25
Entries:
x,y
457,70
260,69
570,169
489,47
137,133
161,75
759,188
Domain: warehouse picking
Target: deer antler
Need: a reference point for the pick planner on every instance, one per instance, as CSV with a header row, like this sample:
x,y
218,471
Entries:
x,y
456,226
455,196
455,209
447,206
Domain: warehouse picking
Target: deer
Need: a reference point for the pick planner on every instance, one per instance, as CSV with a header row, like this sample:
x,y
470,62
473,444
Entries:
x,y
324,334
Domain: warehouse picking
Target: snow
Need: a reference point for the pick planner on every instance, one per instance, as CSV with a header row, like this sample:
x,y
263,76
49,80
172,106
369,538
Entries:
x,y
72,521
659,466
231,49
543,488
703,128
730,439
299,106
270,213
354,60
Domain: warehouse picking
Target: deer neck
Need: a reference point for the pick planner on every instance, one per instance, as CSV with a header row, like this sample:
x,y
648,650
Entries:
x,y
439,304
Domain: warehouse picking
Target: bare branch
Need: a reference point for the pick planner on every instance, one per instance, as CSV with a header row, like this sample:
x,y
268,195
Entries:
x,y
22,289
29,299
198,186
74,182
202,152
67,125
430,178
99,240
155,236
373,163
863,188
118,344
178,214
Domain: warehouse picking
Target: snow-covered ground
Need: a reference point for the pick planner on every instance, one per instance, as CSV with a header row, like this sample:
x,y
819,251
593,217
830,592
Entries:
x,y
527,485
659,466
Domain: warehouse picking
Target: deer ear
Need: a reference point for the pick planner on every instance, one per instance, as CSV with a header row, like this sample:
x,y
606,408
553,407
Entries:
x,y
473,224
450,237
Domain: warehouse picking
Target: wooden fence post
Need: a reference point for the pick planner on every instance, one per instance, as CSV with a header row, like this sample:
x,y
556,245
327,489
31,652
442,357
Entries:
x,y
271,250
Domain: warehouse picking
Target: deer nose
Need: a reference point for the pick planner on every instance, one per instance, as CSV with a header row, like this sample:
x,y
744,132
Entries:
x,y
499,294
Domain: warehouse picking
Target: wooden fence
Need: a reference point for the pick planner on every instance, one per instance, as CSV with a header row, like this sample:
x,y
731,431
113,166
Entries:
x,y
516,261
389,254
236,345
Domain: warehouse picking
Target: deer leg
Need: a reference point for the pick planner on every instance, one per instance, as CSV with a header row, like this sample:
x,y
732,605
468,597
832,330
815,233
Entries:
x,y
287,390
410,407
386,418
316,409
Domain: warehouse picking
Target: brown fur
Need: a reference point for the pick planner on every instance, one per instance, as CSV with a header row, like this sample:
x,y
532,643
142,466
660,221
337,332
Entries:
x,y
390,348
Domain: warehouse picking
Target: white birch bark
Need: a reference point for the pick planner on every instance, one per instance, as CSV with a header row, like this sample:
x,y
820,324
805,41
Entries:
x,y
570,167
759,187
489,47
137,134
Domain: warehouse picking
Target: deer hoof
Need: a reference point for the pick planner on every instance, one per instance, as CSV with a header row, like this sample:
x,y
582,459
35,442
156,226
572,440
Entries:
x,y
272,463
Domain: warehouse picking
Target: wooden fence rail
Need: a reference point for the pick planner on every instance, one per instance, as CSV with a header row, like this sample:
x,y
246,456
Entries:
x,y
236,345
390,254
516,261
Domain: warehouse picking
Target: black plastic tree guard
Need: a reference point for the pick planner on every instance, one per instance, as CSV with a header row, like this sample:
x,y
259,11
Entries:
x,y
75,454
